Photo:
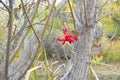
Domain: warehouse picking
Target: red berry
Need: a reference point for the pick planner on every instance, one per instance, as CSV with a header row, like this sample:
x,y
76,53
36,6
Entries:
x,y
67,37
99,54
100,45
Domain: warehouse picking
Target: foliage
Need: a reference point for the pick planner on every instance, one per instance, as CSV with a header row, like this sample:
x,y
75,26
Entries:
x,y
58,20
112,55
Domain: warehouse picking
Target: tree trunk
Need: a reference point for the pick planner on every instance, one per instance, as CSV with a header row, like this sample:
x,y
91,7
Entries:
x,y
80,63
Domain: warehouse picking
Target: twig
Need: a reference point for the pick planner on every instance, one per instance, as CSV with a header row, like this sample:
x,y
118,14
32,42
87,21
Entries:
x,y
58,69
29,21
48,18
23,37
18,47
110,38
71,11
31,70
65,54
68,71
39,47
101,7
107,13
8,8
94,73
114,33
32,60
3,9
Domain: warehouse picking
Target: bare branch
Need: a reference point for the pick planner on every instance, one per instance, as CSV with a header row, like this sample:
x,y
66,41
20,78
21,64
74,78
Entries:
x,y
8,8
23,36
48,18
101,7
107,13
39,47
94,73
115,31
31,70
9,25
18,46
71,12
29,21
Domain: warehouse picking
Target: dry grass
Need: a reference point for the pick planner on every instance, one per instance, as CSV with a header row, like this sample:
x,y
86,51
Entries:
x,y
107,69
111,52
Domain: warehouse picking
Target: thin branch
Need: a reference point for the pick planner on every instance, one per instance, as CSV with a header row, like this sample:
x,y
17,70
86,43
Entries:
x,y
2,8
58,69
101,7
116,20
23,36
17,36
71,12
48,18
85,12
107,13
94,73
29,21
9,25
115,31
39,47
70,65
31,70
8,8
18,47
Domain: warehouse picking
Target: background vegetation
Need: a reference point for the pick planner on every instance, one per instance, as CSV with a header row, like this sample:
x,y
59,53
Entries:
x,y
35,53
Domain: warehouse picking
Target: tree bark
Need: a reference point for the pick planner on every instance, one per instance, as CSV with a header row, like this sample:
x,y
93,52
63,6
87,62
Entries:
x,y
86,10
9,35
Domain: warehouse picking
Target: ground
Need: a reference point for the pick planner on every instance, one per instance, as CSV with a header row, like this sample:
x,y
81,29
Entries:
x,y
104,72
